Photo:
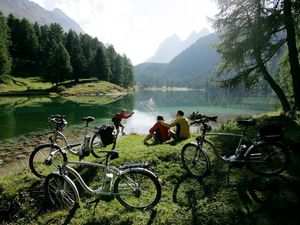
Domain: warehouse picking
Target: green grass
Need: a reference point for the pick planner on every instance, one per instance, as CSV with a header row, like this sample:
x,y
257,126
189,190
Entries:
x,y
85,87
245,199
25,84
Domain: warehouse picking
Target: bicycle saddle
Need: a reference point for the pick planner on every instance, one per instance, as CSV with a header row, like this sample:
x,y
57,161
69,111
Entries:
x,y
88,118
248,122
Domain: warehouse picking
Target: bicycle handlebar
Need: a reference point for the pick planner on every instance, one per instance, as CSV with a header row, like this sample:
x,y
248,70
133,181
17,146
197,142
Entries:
x,y
59,120
201,119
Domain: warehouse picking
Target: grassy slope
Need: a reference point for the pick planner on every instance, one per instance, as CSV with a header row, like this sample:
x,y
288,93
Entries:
x,y
37,86
246,199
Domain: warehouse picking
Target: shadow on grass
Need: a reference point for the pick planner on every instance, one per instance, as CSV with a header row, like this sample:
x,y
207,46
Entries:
x,y
249,200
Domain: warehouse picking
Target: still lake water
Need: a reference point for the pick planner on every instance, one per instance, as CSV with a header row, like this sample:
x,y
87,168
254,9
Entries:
x,y
26,115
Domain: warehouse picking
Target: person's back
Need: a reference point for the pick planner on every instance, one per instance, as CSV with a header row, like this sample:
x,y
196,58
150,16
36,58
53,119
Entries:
x,y
183,130
182,126
158,132
162,132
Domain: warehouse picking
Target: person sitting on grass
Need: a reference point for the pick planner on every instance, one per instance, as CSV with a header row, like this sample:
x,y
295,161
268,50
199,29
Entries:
x,y
118,118
158,132
182,127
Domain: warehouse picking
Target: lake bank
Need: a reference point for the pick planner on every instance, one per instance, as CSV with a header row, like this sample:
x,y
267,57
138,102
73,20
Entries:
x,y
36,87
244,199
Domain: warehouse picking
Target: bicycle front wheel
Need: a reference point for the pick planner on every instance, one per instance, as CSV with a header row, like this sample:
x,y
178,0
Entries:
x,y
97,146
195,160
137,189
45,159
61,193
268,159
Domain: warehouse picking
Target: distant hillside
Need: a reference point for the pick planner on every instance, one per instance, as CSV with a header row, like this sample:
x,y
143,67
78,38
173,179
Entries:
x,y
193,67
34,13
173,45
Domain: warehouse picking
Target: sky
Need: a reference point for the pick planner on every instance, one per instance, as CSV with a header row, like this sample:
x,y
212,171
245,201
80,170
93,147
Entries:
x,y
136,27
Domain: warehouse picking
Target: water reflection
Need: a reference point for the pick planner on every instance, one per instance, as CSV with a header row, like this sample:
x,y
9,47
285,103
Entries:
x,y
21,116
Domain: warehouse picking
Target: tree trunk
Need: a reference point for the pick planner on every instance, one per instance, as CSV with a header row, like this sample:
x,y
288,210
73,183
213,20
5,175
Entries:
x,y
275,87
293,52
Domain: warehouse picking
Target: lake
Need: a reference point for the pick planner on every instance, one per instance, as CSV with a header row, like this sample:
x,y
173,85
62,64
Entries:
x,y
21,116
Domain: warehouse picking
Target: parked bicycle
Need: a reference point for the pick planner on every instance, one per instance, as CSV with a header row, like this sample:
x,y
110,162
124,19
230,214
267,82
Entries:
x,y
133,185
266,154
46,157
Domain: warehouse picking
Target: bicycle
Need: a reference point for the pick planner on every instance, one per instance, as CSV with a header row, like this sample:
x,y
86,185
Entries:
x,y
46,157
266,155
133,185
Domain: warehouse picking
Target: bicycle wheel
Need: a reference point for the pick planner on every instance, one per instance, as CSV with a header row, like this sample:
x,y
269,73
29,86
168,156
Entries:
x,y
268,159
97,146
195,160
137,189
61,193
45,159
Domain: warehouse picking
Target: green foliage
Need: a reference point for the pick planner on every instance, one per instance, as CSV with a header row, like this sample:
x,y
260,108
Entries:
x,y
5,61
59,67
32,51
101,66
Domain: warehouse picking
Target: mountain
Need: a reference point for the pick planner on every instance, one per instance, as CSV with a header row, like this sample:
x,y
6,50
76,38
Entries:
x,y
173,45
169,48
35,13
193,67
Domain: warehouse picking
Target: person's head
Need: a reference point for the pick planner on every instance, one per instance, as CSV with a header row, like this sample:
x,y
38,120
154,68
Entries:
x,y
123,111
180,113
159,118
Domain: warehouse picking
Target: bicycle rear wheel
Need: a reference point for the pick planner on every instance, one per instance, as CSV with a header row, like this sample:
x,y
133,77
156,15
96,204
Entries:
x,y
61,193
97,146
45,159
195,160
268,159
137,189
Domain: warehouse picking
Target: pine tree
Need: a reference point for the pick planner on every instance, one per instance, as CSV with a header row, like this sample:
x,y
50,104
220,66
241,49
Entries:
x,y
78,60
5,61
101,65
59,66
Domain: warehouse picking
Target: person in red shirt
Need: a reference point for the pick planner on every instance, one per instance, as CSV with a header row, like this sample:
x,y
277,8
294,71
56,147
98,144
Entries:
x,y
118,118
158,132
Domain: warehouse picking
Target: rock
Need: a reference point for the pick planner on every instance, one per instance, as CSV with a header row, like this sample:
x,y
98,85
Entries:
x,y
1,162
19,157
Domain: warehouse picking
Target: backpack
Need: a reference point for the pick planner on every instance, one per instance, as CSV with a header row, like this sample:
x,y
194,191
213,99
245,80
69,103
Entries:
x,y
106,134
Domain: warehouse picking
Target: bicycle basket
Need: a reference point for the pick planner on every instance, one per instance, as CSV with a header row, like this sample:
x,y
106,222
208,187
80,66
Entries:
x,y
106,134
270,132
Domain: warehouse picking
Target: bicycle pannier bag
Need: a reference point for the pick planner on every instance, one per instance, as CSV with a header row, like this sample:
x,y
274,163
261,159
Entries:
x,y
106,134
270,132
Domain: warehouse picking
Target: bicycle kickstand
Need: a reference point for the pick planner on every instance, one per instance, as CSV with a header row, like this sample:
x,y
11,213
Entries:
x,y
89,204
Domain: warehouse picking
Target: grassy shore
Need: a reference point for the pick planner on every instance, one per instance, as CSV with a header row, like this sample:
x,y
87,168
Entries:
x,y
36,86
243,199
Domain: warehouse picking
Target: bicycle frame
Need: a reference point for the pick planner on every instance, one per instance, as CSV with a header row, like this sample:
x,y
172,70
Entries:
x,y
243,138
65,169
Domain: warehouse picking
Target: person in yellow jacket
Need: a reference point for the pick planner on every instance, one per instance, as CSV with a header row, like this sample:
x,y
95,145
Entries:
x,y
182,127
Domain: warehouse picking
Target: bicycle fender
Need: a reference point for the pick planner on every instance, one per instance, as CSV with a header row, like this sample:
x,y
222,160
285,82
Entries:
x,y
254,146
77,196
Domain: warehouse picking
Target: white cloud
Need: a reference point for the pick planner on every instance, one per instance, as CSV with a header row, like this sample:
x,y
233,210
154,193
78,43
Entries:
x,y
136,27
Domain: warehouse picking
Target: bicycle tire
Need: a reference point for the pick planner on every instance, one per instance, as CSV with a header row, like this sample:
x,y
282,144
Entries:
x,y
97,146
137,189
195,160
268,159
61,192
41,163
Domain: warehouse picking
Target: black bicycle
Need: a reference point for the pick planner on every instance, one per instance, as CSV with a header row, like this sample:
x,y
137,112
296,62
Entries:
x,y
266,155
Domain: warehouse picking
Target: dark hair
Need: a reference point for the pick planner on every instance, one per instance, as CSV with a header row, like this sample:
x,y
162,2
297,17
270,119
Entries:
x,y
160,118
181,113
